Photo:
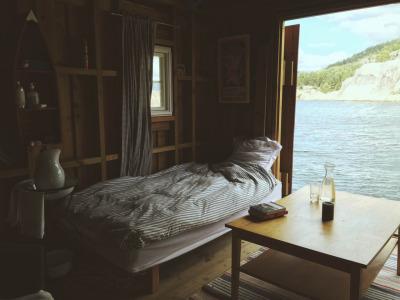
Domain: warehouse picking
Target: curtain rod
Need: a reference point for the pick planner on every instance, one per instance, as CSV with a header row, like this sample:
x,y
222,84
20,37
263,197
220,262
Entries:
x,y
161,23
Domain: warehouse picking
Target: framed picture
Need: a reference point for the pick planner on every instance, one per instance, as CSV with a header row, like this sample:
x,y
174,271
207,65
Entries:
x,y
233,69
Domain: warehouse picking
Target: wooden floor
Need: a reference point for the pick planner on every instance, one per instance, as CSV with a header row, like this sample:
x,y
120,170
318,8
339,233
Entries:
x,y
186,274
182,277
179,278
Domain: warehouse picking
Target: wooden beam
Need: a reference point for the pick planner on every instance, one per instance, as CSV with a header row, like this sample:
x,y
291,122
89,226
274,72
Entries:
x,y
193,88
163,149
173,147
73,163
164,42
160,126
176,96
84,72
261,90
100,96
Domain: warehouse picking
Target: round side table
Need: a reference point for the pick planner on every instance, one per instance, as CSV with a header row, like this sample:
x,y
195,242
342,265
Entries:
x,y
58,262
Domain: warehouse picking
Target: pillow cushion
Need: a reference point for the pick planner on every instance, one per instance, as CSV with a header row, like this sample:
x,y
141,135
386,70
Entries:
x,y
259,150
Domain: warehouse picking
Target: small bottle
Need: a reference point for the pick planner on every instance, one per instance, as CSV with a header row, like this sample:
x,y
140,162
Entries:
x,y
32,96
19,96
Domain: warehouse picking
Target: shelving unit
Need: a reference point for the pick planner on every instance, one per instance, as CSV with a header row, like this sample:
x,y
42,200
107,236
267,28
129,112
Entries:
x,y
32,64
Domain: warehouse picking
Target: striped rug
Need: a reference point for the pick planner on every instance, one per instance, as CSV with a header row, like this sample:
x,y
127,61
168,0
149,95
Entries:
x,y
386,286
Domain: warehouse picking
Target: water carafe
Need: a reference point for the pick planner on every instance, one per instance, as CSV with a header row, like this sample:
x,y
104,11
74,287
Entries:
x,y
328,185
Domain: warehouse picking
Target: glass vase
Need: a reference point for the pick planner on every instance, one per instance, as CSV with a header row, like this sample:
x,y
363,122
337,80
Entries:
x,y
328,185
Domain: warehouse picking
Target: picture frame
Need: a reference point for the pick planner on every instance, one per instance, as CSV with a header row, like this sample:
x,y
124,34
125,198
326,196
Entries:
x,y
234,69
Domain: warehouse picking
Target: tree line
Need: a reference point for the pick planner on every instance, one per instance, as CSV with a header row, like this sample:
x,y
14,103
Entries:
x,y
331,78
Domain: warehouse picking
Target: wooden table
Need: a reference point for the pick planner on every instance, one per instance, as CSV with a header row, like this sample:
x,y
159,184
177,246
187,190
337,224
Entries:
x,y
337,259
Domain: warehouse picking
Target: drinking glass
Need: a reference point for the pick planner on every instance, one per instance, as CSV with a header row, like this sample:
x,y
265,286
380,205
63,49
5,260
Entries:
x,y
315,192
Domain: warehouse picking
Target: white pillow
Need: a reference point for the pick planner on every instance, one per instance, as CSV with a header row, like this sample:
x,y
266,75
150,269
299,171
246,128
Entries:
x,y
259,150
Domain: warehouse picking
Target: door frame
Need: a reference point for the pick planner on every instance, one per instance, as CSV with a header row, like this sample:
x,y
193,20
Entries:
x,y
276,48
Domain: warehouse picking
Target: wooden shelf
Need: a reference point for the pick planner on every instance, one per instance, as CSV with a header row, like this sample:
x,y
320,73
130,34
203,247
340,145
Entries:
x,y
162,119
30,71
109,73
27,109
35,123
16,172
172,147
84,72
311,279
73,163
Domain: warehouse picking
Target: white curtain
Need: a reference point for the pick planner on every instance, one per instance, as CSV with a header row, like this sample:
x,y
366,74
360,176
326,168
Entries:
x,y
138,37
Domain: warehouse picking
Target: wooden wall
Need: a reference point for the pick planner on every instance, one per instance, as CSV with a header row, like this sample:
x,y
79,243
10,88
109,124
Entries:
x,y
90,100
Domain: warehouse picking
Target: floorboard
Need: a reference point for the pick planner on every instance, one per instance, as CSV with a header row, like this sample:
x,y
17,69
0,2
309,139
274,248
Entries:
x,y
181,277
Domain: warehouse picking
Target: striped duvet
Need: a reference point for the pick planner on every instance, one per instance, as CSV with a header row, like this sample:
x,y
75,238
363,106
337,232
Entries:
x,y
132,212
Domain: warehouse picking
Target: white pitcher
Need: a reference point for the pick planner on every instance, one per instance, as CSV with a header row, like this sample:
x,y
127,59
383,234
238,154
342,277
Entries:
x,y
49,174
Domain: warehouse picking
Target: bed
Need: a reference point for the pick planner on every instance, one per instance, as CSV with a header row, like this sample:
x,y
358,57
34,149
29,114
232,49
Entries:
x,y
138,223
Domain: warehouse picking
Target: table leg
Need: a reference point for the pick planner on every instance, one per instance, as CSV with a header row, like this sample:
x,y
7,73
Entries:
x,y
236,250
398,252
355,283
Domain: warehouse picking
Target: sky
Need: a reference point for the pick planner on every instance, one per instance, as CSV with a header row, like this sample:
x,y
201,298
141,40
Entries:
x,y
331,38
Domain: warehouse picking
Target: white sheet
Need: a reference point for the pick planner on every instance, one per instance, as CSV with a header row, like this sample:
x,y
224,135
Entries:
x,y
137,260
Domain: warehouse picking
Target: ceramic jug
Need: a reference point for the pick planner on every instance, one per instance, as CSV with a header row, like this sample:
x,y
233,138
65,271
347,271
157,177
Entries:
x,y
49,174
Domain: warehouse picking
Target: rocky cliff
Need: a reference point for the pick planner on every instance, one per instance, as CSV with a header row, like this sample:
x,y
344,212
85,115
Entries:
x,y
371,82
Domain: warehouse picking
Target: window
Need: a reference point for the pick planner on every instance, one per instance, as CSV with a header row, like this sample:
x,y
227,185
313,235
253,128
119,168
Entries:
x,y
161,95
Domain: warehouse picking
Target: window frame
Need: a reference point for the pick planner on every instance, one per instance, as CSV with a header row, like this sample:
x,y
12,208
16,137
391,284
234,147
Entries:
x,y
165,81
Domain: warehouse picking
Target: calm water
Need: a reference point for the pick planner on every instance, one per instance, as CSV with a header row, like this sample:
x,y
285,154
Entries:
x,y
361,138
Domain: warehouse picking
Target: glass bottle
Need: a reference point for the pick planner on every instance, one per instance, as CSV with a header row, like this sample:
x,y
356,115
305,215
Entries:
x,y
19,96
32,96
328,185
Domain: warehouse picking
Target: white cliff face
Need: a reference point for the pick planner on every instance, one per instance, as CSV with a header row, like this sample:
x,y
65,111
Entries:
x,y
371,82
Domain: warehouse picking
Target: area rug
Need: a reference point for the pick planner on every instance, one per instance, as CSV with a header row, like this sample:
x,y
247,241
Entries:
x,y
386,286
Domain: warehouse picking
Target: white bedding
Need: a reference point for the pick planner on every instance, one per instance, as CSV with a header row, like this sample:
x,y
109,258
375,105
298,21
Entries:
x,y
134,212
136,260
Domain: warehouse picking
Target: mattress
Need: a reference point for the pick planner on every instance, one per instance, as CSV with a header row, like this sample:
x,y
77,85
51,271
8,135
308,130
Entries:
x,y
137,260
133,212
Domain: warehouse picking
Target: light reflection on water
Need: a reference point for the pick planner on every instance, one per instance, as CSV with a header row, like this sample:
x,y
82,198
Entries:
x,y
361,138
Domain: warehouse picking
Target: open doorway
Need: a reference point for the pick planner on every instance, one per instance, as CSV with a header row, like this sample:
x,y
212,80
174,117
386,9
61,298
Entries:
x,y
348,101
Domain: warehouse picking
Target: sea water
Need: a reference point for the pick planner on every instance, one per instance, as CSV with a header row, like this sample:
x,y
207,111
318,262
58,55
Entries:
x,y
362,140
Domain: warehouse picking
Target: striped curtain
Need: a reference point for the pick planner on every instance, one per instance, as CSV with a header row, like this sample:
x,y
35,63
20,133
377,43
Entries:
x,y
138,37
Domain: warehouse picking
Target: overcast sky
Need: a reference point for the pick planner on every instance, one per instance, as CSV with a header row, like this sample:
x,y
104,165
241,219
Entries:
x,y
330,38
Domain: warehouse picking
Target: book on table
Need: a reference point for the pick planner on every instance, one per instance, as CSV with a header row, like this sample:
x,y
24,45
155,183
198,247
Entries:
x,y
267,210
269,216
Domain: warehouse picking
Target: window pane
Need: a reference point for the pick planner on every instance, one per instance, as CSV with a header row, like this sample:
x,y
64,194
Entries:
x,y
156,68
161,102
156,100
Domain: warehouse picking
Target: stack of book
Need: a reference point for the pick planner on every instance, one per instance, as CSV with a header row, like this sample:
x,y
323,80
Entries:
x,y
265,211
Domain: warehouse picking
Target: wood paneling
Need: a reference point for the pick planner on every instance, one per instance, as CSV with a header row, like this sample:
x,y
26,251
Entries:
x,y
90,99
